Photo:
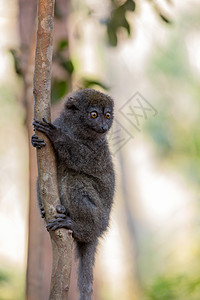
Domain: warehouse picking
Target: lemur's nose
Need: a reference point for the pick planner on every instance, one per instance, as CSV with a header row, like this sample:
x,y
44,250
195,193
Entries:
x,y
104,127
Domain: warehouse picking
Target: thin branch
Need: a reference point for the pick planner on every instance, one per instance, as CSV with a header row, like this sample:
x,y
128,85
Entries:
x,y
61,239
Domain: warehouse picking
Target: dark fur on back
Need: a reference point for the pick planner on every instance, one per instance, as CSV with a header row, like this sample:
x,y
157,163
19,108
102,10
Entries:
x,y
85,173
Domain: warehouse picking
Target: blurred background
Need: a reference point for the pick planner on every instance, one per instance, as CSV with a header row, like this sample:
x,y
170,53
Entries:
x,y
145,54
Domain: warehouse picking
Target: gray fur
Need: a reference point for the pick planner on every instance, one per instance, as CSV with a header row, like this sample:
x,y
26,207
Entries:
x,y
85,173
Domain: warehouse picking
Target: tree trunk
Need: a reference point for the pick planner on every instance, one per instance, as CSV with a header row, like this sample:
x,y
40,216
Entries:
x,y
39,252
39,260
61,239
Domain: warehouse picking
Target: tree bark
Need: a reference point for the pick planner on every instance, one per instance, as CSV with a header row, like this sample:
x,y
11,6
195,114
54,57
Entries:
x,y
39,252
61,239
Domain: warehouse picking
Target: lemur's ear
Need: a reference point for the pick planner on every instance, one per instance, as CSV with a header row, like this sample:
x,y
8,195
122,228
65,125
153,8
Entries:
x,y
71,103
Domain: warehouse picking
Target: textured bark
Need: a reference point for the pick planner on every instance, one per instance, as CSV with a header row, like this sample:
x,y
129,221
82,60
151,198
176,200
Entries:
x,y
61,239
39,245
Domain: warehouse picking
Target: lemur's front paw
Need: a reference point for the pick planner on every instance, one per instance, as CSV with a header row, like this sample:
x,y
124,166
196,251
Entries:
x,y
62,220
45,127
42,212
36,142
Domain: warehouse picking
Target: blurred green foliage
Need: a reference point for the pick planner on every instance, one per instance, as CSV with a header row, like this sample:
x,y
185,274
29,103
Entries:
x,y
87,83
180,287
175,133
61,85
176,129
118,18
59,89
62,58
11,284
63,64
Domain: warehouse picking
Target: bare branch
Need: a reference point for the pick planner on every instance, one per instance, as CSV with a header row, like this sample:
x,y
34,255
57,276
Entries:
x,y
61,239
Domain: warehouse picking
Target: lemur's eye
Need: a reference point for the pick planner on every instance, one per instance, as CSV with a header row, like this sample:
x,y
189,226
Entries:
x,y
108,115
94,114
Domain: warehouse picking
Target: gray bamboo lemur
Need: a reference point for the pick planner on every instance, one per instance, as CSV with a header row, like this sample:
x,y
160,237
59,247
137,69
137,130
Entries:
x,y
85,174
